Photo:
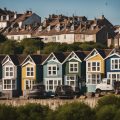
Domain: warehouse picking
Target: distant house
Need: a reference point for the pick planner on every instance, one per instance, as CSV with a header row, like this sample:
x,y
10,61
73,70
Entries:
x,y
23,26
112,67
6,17
11,75
59,28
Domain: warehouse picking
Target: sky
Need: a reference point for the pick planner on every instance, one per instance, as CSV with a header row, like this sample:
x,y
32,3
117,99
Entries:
x,y
89,8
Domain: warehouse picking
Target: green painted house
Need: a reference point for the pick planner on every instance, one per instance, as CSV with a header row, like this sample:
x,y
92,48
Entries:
x,y
74,70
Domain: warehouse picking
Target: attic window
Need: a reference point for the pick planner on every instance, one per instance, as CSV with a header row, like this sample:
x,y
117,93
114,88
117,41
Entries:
x,y
54,58
94,53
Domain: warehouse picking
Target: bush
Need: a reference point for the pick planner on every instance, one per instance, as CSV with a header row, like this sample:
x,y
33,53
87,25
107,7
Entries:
x,y
8,112
32,112
106,112
108,100
74,111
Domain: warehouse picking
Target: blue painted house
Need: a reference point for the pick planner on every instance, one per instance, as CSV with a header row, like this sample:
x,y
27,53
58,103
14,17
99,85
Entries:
x,y
53,71
112,65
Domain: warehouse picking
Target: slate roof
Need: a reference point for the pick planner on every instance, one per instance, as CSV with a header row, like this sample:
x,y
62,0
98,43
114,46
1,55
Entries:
x,y
2,57
38,59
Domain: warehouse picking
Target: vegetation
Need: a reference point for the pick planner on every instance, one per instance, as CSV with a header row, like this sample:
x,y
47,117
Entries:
x,y
32,45
108,108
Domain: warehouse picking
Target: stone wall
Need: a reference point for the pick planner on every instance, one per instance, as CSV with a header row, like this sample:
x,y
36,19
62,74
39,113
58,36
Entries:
x,y
52,103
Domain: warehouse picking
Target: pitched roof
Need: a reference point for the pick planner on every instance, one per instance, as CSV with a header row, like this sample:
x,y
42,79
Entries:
x,y
38,59
2,57
61,56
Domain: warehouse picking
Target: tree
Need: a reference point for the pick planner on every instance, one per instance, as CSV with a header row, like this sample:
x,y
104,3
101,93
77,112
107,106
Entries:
x,y
106,112
74,111
108,100
8,112
9,47
31,45
2,38
32,112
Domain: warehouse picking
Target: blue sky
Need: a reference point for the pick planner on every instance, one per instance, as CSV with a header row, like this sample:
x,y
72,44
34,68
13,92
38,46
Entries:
x,y
88,8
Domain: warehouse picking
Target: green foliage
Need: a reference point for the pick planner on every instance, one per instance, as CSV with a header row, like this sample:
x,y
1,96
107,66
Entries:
x,y
2,38
74,111
108,100
31,45
108,108
8,112
9,47
32,112
106,112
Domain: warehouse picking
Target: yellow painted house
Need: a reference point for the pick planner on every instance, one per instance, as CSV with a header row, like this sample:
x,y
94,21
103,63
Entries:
x,y
31,72
95,68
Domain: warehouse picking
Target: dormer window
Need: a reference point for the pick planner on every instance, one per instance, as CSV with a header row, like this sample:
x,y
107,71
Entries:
x,y
40,28
57,28
48,28
72,28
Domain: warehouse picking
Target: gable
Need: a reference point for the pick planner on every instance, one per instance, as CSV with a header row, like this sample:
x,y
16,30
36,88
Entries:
x,y
95,58
7,61
28,60
93,53
51,58
72,57
113,56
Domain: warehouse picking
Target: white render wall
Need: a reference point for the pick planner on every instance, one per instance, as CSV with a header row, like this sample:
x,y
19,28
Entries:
x,y
18,37
89,38
3,24
68,39
63,38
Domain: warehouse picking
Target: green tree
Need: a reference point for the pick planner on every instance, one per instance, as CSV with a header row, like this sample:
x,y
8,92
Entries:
x,y
74,111
31,45
32,112
106,112
8,112
2,38
108,100
9,47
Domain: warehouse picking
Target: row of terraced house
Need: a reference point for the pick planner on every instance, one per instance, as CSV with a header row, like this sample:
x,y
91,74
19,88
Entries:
x,y
58,28
83,69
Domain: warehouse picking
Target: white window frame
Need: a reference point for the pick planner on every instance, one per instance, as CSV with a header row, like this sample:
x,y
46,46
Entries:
x,y
11,84
113,64
9,76
69,80
55,83
90,79
73,63
30,71
116,76
90,69
30,84
52,65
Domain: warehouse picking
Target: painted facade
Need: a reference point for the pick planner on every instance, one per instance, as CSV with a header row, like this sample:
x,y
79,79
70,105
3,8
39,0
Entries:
x,y
95,69
11,76
72,67
112,62
52,72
